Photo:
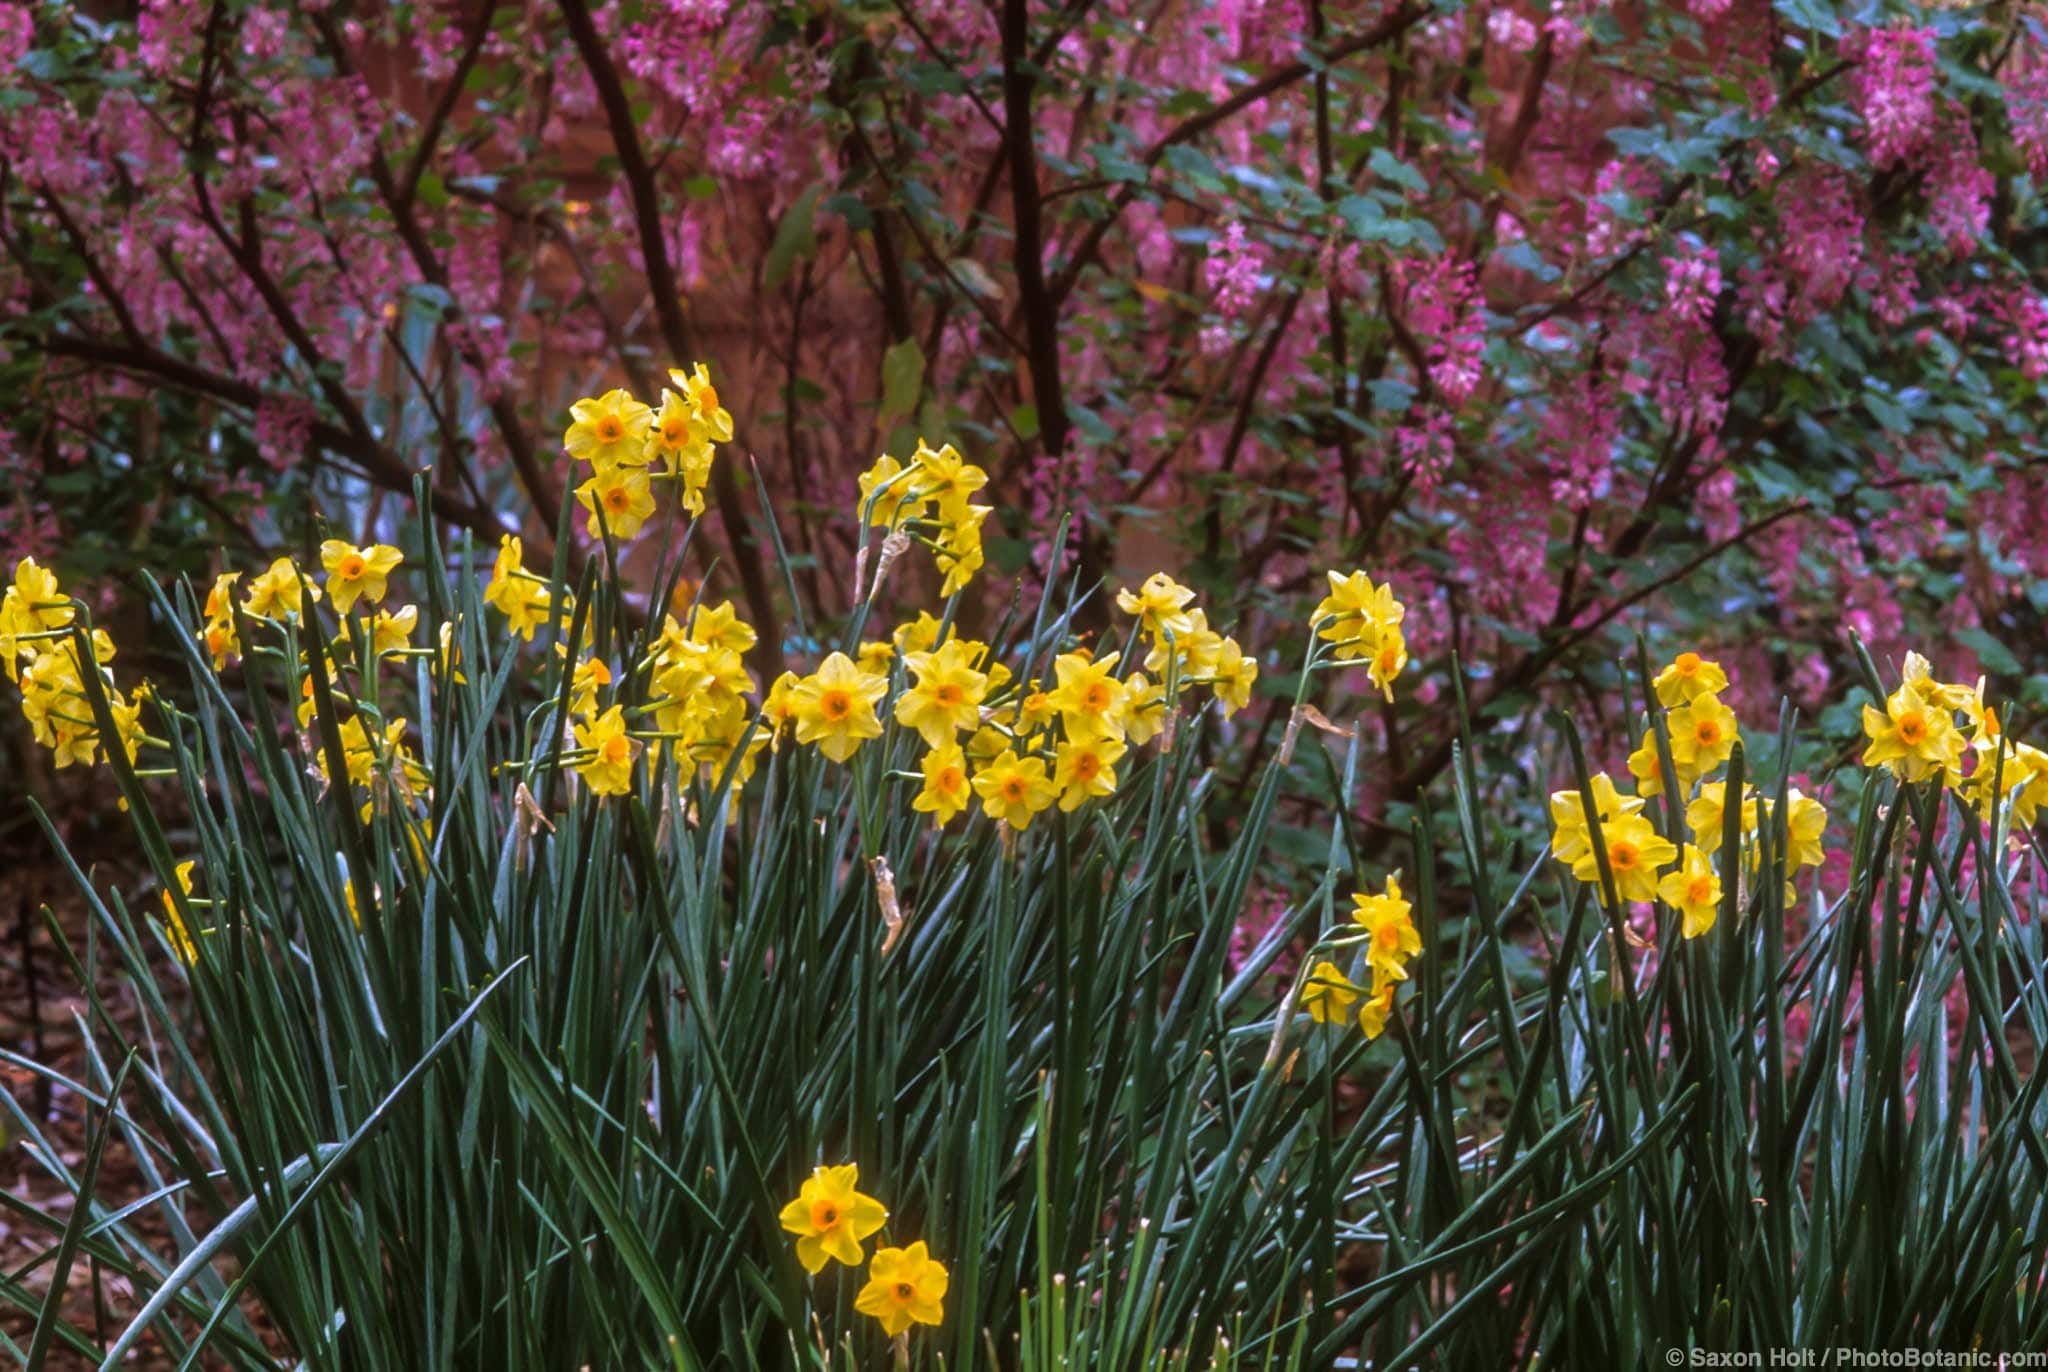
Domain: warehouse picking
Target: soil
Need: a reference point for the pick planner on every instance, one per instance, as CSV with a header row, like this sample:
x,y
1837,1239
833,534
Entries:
x,y
41,1007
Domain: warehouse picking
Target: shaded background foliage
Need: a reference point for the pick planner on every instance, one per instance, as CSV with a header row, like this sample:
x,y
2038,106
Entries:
x,y
1726,315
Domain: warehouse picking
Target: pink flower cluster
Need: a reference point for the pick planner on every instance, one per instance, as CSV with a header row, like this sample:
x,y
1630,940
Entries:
x,y
673,47
1819,247
1892,87
1581,430
1692,282
2026,109
1440,299
1231,272
2026,336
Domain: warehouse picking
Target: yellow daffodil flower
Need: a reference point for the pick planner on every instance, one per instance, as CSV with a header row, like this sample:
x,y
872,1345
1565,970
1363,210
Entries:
x,y
174,925
948,479
221,640
834,707
959,552
521,598
876,656
1232,676
1144,709
1014,790
1913,737
1635,853
1645,766
609,771
1705,816
391,631
1703,733
1388,659
1391,936
220,598
922,635
609,430
357,573
35,602
890,493
1372,1015
1806,820
1160,605
712,419
1570,828
1186,657
905,1287
1085,768
830,1218
1694,890
1088,697
1688,675
623,494
945,792
1328,994
275,592
590,674
720,626
946,695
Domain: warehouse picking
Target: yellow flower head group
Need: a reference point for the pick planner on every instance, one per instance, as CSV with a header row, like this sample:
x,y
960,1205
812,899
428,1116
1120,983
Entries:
x,y
37,644
1362,622
523,598
830,1219
375,754
701,708
1015,748
1678,870
1385,922
629,444
1012,748
1942,731
930,499
1183,652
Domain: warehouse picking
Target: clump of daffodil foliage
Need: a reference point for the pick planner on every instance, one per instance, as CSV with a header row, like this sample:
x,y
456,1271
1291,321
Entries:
x,y
541,970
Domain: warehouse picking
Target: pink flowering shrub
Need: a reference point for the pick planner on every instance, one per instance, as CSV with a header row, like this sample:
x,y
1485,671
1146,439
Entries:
x,y
1718,315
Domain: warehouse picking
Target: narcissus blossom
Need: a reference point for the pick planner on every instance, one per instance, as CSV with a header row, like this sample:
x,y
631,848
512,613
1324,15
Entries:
x,y
1635,854
946,694
1328,994
1694,890
609,769
1085,768
619,501
945,792
1913,737
905,1287
357,573
830,1218
1089,697
609,430
1390,932
1688,675
834,707
1013,790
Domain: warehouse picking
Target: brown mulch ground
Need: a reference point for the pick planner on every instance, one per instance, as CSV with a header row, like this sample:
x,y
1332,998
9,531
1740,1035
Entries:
x,y
40,1009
